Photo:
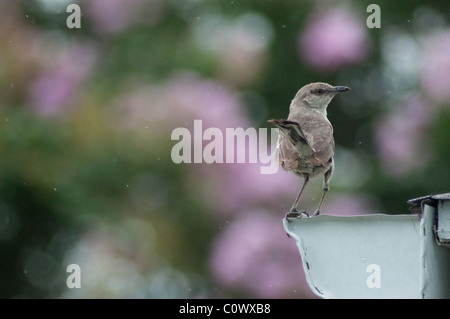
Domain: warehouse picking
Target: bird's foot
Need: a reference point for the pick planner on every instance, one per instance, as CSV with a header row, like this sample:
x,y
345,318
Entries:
x,y
316,213
297,214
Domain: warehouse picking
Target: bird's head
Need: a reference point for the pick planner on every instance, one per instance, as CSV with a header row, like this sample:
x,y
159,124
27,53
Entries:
x,y
317,96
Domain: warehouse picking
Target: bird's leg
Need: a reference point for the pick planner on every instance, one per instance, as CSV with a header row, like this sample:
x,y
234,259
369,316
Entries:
x,y
294,207
326,182
325,191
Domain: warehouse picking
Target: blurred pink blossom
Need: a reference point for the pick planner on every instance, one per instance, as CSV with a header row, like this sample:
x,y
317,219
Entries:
x,y
234,188
334,38
435,66
184,98
191,97
248,187
401,137
254,254
113,16
54,89
350,205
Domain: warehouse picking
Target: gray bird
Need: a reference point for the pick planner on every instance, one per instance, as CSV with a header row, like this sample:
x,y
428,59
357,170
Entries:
x,y
305,142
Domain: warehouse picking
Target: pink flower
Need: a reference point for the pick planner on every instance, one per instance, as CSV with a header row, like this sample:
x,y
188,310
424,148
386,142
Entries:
x,y
401,138
234,188
114,16
55,88
192,97
350,205
184,98
333,39
435,66
254,254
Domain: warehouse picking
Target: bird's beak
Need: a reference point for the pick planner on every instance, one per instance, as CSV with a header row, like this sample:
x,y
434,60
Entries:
x,y
338,89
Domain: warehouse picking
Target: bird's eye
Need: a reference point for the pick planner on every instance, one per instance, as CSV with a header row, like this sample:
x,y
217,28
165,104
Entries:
x,y
319,91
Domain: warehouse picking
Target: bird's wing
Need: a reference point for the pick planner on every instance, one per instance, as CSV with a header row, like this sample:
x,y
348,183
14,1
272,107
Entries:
x,y
291,130
319,134
314,133
291,143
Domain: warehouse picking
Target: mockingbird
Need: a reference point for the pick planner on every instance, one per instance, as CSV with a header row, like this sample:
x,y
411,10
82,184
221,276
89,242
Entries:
x,y
305,142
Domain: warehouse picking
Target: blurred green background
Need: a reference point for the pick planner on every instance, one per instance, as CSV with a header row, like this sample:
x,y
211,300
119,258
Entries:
x,y
86,116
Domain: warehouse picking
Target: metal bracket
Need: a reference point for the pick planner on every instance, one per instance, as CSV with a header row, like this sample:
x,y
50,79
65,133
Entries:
x,y
442,222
